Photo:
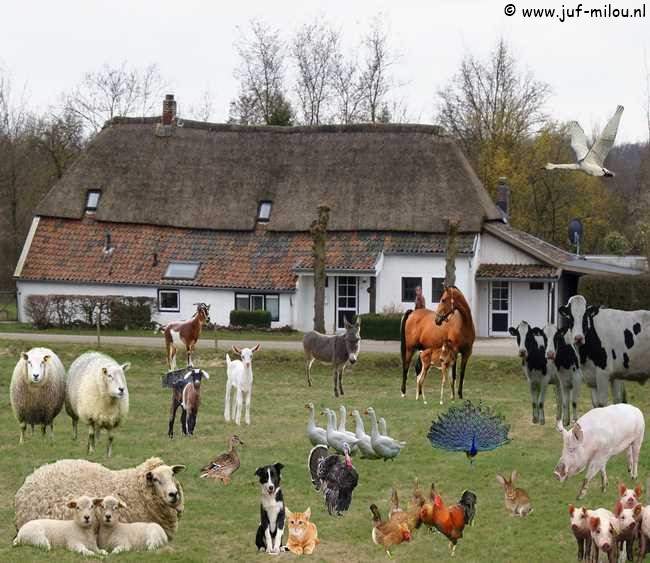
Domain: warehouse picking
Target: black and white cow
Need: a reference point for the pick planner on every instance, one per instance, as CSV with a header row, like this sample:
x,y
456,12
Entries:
x,y
567,365
539,371
613,345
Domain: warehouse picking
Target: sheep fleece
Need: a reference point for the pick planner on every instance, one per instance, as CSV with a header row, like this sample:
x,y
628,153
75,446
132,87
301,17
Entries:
x,y
45,492
38,404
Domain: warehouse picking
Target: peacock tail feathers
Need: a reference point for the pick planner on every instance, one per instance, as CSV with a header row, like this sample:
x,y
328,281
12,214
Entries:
x,y
469,428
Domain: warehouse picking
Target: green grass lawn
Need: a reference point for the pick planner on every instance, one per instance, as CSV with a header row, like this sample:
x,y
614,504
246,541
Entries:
x,y
220,522
206,334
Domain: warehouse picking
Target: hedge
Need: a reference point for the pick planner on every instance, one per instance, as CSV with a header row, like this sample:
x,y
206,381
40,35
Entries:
x,y
83,310
628,293
380,327
250,318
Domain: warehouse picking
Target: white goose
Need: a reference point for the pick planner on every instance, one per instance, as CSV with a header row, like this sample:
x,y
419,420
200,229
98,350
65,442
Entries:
x,y
336,439
364,444
384,446
316,434
383,427
341,427
591,160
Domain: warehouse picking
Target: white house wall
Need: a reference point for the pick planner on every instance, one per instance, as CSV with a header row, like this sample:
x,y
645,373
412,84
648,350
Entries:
x,y
221,301
495,251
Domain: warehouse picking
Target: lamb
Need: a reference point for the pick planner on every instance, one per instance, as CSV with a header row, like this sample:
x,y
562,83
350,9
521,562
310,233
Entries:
x,y
37,389
96,393
240,380
117,537
150,491
77,534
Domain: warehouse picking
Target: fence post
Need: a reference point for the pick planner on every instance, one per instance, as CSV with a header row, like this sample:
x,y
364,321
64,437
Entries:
x,y
98,322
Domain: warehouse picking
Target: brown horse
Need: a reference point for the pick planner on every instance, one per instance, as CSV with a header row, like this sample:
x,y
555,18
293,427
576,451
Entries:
x,y
187,332
424,329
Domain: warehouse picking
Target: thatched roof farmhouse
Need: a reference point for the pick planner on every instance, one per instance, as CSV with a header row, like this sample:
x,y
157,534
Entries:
x,y
184,211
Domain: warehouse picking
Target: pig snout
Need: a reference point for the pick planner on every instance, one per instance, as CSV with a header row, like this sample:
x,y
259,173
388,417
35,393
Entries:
x,y
606,547
575,527
560,471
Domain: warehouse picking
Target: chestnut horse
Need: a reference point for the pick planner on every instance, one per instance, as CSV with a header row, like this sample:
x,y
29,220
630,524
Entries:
x,y
187,332
424,329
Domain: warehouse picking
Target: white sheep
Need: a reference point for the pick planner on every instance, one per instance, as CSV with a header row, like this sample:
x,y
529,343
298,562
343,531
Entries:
x,y
96,393
37,389
150,491
77,534
116,536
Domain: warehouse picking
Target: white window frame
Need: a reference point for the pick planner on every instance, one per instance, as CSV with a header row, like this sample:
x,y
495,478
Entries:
x,y
264,297
168,309
264,211
89,194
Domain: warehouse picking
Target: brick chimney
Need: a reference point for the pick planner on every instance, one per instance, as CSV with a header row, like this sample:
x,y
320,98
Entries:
x,y
503,198
169,110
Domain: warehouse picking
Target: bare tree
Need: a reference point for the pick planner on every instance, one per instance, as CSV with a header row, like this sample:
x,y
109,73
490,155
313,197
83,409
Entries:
x,y
203,109
491,104
261,77
347,90
115,91
62,138
314,48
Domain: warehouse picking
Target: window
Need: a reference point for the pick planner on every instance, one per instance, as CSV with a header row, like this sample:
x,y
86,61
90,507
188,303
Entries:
x,y
535,286
264,212
92,200
408,288
258,302
169,300
437,287
182,270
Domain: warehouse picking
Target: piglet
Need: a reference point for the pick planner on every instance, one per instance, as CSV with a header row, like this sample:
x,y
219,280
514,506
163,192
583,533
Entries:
x,y
629,497
603,527
627,526
598,435
581,530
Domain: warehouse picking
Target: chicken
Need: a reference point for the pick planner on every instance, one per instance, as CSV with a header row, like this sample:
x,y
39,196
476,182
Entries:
x,y
388,533
450,521
411,516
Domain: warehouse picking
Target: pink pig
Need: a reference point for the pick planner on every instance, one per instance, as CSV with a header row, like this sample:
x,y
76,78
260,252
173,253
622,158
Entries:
x,y
598,435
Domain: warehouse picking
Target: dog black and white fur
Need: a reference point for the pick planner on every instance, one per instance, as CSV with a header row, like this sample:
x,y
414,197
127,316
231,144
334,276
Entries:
x,y
271,529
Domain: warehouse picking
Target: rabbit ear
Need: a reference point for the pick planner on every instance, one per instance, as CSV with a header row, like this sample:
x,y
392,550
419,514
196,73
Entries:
x,y
501,480
513,475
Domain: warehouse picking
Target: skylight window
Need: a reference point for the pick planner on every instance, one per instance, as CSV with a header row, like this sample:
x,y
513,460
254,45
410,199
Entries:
x,y
182,270
92,200
264,213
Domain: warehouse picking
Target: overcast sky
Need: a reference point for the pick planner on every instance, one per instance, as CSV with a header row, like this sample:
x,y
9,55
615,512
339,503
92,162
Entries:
x,y
591,64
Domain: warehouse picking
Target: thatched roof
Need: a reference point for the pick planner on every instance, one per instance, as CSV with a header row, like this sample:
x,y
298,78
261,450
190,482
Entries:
x,y
207,176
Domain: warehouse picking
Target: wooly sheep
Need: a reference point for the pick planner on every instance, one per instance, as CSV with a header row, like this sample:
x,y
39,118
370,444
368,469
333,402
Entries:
x,y
150,491
37,389
96,393
116,536
77,534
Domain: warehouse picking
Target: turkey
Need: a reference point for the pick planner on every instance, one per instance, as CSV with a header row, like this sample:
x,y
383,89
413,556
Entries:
x,y
335,476
470,429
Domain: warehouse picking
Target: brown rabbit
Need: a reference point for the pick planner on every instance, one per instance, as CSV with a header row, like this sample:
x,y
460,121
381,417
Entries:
x,y
517,500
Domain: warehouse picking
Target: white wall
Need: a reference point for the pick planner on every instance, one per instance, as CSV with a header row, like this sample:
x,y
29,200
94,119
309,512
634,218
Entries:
x,y
398,266
494,251
221,301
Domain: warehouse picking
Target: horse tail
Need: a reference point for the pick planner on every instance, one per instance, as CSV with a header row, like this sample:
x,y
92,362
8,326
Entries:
x,y
402,334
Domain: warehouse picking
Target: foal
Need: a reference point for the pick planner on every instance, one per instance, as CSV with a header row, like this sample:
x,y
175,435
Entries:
x,y
187,332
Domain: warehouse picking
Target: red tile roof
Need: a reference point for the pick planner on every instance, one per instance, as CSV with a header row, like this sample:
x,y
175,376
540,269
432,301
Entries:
x,y
70,250
516,271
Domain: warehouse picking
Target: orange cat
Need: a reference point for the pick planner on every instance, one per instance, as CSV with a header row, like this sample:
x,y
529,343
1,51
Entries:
x,y
303,535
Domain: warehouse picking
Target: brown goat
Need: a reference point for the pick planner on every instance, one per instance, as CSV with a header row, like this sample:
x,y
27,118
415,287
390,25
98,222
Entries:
x,y
186,394
188,332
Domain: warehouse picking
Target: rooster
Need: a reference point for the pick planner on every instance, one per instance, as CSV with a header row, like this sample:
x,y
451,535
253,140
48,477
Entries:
x,y
388,533
450,521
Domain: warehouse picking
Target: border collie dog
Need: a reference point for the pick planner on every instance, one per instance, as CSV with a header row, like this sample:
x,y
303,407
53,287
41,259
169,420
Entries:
x,y
271,529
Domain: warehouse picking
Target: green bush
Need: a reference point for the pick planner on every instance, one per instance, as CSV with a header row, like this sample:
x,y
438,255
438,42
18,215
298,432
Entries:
x,y
380,327
628,293
130,312
252,318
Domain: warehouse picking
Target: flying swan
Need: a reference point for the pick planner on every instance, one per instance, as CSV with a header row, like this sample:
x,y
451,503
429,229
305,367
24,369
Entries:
x,y
591,160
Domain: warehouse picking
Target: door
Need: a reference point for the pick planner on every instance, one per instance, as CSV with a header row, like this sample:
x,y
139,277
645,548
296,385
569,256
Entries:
x,y
499,308
346,300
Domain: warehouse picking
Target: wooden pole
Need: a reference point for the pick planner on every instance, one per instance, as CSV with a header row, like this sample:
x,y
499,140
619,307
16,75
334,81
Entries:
x,y
319,235
98,323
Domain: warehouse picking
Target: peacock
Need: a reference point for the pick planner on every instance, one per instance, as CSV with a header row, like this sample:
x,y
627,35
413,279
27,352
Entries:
x,y
470,429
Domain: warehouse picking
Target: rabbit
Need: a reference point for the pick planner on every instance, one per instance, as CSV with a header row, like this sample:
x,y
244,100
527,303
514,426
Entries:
x,y
517,500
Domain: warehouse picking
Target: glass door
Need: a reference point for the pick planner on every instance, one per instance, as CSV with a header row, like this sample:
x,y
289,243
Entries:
x,y
346,300
499,308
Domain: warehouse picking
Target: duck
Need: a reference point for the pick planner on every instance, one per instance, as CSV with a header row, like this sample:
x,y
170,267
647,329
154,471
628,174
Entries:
x,y
336,439
224,465
591,160
316,434
364,444
385,446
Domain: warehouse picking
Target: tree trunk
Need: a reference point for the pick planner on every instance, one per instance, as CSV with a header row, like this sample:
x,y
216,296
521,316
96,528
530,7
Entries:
x,y
319,236
451,252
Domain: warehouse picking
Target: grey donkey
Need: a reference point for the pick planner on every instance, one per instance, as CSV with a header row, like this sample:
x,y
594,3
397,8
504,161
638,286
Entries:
x,y
337,349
